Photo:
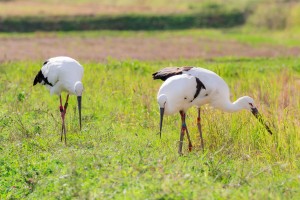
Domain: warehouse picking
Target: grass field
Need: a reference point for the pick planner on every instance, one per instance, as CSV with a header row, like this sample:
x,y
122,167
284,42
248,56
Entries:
x,y
118,154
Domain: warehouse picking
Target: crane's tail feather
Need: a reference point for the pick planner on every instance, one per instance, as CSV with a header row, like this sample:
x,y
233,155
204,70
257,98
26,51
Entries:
x,y
38,78
168,72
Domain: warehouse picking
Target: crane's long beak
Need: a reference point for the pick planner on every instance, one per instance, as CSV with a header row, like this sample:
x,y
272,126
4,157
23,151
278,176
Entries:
x,y
79,109
162,110
259,117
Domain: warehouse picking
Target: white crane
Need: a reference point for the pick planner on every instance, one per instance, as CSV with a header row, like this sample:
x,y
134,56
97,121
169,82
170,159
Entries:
x,y
62,74
185,87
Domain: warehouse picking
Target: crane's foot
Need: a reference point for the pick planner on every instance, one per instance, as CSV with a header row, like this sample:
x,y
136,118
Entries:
x,y
62,133
202,144
190,147
65,133
180,148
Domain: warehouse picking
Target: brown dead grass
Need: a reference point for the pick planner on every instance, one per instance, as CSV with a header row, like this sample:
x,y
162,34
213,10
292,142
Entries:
x,y
140,48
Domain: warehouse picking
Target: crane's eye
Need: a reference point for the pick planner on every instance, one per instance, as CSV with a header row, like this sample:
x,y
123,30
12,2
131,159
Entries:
x,y
251,104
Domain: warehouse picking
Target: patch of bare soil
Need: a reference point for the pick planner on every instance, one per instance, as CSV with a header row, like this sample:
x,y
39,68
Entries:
x,y
99,49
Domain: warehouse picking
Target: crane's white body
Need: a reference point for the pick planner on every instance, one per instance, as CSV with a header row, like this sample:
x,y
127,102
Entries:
x,y
185,87
217,93
65,74
174,94
175,89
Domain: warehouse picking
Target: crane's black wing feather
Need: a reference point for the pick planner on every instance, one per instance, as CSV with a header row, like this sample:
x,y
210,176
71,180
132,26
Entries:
x,y
168,72
40,77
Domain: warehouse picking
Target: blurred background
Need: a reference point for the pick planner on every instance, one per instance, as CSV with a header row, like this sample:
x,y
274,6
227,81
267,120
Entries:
x,y
217,26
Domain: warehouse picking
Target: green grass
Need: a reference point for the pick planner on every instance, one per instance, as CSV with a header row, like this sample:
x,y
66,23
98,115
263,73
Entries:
x,y
288,38
118,153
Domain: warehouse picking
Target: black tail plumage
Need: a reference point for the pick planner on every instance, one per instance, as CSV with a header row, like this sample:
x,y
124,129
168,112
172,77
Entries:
x,y
168,72
38,78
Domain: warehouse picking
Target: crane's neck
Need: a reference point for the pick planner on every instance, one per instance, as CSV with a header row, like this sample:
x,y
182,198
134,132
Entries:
x,y
235,106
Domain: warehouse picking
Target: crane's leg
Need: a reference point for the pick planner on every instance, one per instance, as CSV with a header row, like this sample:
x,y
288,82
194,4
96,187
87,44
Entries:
x,y
181,132
188,136
200,128
65,111
183,129
61,109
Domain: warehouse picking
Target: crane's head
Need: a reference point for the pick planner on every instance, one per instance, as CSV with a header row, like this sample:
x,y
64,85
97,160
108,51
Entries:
x,y
78,88
162,100
248,103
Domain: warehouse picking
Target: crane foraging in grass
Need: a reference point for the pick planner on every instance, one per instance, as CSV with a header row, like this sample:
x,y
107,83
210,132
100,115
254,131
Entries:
x,y
185,87
62,74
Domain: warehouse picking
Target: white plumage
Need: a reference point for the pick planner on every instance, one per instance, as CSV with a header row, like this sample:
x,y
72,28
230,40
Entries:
x,y
65,74
176,94
185,87
62,74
